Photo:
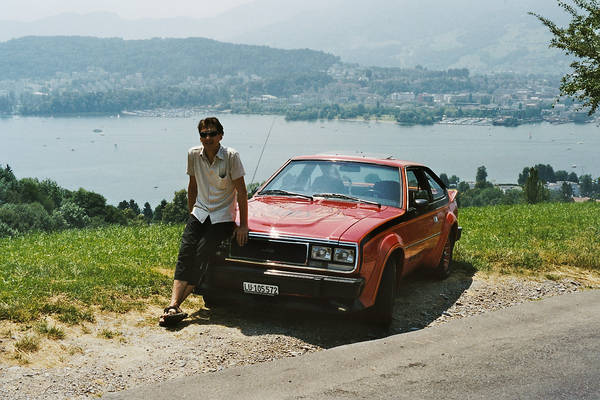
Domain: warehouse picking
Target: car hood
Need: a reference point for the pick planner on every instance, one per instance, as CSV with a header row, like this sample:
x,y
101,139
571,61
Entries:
x,y
323,219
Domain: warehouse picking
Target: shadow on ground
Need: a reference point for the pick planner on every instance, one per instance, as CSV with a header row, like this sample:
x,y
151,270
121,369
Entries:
x,y
420,301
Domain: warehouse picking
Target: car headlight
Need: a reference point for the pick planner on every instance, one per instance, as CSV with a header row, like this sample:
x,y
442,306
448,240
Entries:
x,y
321,253
345,256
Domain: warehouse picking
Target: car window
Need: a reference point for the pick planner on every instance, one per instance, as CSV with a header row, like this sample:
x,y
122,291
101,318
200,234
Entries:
x,y
437,191
417,186
372,182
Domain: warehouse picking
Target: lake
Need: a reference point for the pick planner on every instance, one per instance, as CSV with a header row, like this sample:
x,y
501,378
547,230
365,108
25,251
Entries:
x,y
144,158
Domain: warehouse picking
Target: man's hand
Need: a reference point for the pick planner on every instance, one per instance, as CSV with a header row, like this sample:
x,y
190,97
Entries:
x,y
241,234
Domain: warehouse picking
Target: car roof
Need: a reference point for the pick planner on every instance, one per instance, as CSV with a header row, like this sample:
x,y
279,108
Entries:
x,y
364,158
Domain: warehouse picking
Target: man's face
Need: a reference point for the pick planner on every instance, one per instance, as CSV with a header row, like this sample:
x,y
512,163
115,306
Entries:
x,y
209,140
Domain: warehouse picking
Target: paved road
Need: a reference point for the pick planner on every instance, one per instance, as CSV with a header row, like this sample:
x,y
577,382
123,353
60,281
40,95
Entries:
x,y
546,349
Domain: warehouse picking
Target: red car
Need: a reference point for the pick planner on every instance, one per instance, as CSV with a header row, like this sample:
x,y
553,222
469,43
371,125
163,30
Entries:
x,y
339,231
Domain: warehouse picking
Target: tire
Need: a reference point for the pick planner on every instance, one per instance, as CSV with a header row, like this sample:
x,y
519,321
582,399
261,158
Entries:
x,y
444,267
382,311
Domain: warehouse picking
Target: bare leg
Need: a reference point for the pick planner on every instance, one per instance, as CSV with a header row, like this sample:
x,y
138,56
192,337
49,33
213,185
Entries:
x,y
181,290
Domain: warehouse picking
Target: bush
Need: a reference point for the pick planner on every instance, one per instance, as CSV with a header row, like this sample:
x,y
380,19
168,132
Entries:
x,y
74,215
92,203
26,217
6,230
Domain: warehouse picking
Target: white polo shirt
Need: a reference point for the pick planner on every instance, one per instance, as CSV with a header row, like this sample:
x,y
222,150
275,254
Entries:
x,y
216,192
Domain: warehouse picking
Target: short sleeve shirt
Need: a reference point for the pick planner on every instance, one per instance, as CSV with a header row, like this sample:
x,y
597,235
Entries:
x,y
216,192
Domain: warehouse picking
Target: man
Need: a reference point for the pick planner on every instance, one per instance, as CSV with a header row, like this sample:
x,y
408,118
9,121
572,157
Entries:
x,y
216,182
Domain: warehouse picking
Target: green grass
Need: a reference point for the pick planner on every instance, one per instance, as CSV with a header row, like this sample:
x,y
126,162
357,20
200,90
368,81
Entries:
x,y
52,332
530,238
73,273
108,334
28,344
70,273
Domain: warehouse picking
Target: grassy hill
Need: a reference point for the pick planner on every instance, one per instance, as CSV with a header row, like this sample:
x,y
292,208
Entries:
x,y
73,273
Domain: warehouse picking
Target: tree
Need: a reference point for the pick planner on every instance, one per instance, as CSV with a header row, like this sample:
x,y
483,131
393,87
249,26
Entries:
x,y
561,175
463,187
115,215
480,178
566,193
545,173
573,177
176,211
444,178
523,176
158,211
586,185
92,203
74,215
148,212
534,188
26,217
134,206
580,39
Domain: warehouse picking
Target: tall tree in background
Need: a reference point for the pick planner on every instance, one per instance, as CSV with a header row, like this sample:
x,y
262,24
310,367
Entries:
x,y
481,178
582,40
534,188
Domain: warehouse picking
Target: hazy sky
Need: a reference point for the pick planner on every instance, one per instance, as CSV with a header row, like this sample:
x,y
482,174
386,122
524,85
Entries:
x,y
28,10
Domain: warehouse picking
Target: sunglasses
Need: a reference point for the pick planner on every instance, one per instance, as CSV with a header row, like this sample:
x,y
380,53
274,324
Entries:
x,y
209,133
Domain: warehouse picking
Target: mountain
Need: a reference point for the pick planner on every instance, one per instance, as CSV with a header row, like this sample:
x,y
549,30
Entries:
x,y
175,59
437,34
482,36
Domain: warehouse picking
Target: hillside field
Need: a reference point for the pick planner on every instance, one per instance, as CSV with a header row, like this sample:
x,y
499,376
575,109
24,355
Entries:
x,y
75,273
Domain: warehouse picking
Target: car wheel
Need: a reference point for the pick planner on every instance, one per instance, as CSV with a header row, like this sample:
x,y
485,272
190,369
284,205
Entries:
x,y
382,311
444,267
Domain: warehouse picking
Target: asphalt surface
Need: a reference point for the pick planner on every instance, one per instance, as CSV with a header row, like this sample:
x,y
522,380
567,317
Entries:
x,y
547,349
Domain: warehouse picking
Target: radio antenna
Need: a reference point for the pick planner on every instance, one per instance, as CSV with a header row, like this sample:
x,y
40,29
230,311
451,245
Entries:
x,y
262,151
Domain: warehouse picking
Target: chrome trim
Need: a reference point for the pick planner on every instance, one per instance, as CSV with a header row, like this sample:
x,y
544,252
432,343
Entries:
x,y
299,239
302,240
422,240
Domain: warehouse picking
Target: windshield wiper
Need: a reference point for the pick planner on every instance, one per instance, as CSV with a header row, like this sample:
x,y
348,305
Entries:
x,y
279,192
345,197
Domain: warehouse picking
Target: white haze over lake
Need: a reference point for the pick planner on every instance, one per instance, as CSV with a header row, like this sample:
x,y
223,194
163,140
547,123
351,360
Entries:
x,y
29,10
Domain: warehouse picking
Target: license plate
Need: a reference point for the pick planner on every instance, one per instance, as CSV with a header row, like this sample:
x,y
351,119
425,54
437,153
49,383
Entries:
x,y
260,288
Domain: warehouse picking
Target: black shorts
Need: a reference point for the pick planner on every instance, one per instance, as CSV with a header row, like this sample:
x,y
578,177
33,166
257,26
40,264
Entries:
x,y
198,244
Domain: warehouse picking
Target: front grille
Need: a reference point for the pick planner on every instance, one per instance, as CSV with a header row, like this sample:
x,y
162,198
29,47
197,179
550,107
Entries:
x,y
264,250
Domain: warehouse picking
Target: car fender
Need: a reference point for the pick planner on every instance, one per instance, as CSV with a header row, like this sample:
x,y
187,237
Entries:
x,y
385,248
451,222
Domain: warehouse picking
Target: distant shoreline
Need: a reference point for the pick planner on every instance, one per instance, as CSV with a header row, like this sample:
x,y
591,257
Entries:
x,y
191,112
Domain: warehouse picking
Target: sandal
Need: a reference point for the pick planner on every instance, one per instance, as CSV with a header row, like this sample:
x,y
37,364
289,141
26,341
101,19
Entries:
x,y
172,318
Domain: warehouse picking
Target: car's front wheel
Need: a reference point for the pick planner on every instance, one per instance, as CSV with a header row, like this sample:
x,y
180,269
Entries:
x,y
382,311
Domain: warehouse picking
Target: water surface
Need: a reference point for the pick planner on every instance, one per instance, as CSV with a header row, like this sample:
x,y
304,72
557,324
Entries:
x,y
144,157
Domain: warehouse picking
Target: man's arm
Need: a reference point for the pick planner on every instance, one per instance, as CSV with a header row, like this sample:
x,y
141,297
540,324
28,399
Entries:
x,y
192,192
241,231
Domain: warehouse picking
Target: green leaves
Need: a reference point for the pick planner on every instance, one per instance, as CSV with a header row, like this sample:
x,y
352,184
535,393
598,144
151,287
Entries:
x,y
580,38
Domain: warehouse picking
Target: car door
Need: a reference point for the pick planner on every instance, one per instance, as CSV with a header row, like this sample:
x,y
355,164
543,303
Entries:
x,y
438,206
421,229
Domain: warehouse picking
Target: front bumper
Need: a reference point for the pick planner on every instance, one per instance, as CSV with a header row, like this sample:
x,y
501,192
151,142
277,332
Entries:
x,y
225,279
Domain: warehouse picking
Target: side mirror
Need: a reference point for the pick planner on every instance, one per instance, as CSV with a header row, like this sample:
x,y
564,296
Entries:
x,y
421,203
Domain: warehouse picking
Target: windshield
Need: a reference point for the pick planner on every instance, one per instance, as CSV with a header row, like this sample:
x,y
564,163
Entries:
x,y
362,181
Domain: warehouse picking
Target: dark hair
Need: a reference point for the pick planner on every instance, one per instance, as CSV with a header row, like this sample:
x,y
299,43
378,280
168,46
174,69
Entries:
x,y
210,122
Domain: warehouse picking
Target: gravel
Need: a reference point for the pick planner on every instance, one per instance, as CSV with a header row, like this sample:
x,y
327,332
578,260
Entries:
x,y
86,364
